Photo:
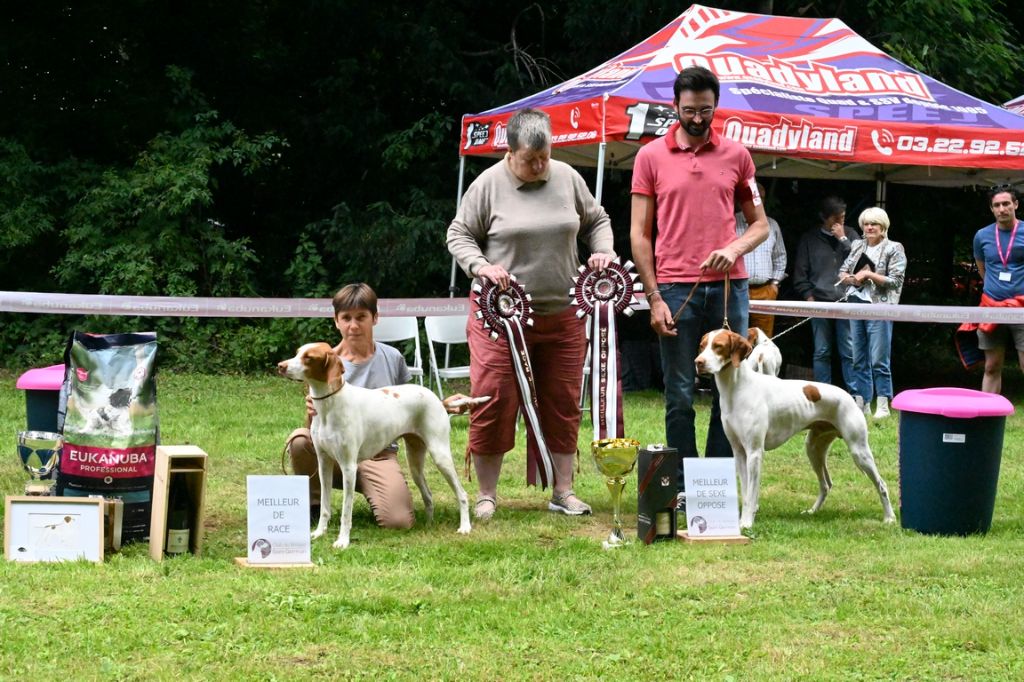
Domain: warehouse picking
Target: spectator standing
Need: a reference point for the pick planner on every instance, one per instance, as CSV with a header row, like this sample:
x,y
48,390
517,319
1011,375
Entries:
x,y
819,255
766,268
999,253
874,272
691,180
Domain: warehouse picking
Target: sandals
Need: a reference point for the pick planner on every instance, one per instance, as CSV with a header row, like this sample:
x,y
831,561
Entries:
x,y
484,508
567,503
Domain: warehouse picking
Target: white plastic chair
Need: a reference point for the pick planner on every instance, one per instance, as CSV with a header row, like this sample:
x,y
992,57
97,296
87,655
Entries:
x,y
449,330
392,329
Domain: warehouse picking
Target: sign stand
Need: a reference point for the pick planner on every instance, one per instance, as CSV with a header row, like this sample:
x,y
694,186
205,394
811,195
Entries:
x,y
712,505
278,512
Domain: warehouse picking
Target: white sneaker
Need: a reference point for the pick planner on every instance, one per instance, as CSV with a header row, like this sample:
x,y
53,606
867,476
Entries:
x,y
882,411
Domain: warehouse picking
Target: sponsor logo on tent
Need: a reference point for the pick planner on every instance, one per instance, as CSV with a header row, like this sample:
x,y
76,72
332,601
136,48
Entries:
x,y
788,136
815,79
477,134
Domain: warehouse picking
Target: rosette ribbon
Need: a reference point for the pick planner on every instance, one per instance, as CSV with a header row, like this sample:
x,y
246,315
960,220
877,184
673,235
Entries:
x,y
504,313
601,296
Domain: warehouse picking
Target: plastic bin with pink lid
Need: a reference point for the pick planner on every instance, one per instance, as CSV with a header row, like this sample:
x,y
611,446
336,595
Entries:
x,y
42,393
950,447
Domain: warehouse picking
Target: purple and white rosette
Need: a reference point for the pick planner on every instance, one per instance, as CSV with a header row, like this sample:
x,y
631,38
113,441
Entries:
x,y
600,296
505,312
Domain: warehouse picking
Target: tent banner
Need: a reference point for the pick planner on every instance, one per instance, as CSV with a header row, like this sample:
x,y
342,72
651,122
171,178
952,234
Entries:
x,y
810,88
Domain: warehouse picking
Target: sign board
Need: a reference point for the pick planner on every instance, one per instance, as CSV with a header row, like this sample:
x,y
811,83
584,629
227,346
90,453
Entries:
x,y
712,504
278,519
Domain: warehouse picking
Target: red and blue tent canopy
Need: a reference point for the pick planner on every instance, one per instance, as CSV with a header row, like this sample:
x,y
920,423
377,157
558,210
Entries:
x,y
808,97
1016,105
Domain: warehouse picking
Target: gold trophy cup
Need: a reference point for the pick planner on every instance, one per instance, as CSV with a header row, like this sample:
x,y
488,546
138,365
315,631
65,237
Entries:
x,y
615,458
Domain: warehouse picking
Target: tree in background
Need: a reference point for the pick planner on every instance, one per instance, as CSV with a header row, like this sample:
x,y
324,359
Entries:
x,y
283,149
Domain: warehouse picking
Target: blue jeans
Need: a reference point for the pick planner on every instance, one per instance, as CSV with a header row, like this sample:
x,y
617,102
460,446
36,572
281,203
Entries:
x,y
703,313
872,345
825,332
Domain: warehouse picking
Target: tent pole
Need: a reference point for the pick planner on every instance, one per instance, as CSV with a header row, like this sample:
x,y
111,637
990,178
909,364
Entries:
x,y
880,188
600,171
452,289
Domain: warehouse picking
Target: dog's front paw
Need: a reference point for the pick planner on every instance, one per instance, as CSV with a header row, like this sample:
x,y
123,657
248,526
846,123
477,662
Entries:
x,y
464,529
746,523
889,519
317,532
340,543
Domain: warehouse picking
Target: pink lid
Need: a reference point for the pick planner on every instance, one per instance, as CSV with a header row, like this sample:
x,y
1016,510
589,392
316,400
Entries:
x,y
962,403
42,379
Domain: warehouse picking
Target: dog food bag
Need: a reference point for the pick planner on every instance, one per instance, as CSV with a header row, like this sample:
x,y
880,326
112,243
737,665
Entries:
x,y
109,418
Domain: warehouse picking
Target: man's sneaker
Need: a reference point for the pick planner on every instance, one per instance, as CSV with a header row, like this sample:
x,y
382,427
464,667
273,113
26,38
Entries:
x,y
568,503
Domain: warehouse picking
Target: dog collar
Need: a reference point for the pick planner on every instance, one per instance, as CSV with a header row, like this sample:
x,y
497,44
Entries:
x,y
328,395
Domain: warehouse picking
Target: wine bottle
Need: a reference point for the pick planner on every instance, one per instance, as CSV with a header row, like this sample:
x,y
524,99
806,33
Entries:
x,y
178,508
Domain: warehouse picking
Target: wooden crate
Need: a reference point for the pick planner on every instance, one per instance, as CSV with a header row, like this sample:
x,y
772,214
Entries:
x,y
174,460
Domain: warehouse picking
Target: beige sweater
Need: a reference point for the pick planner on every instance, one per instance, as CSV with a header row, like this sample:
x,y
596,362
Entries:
x,y
530,228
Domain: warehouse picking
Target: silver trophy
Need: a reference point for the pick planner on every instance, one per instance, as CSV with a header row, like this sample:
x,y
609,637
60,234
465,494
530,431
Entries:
x,y
39,452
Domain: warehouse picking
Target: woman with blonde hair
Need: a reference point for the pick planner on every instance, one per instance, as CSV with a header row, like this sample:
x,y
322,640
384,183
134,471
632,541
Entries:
x,y
874,272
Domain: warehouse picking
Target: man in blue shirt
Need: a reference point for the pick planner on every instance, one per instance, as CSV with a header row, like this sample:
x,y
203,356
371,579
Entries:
x,y
999,253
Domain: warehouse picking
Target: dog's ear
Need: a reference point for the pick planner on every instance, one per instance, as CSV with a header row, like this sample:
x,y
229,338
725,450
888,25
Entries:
x,y
739,348
333,365
703,342
752,335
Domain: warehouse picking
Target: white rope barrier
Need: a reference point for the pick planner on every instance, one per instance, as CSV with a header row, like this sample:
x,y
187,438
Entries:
x,y
175,306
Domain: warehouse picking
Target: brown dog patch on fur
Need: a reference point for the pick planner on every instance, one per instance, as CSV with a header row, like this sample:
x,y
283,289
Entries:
x,y
812,393
389,392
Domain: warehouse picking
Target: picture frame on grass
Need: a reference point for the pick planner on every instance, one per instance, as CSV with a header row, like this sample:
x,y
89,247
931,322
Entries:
x,y
53,528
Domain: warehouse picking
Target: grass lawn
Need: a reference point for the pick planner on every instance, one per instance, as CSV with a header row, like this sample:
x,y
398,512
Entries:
x,y
530,595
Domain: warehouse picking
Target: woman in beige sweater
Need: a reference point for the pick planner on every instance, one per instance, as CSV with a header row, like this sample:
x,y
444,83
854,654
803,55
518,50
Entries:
x,y
524,216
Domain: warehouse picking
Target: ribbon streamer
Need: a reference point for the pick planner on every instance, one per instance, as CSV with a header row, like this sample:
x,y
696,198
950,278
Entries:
x,y
601,295
504,313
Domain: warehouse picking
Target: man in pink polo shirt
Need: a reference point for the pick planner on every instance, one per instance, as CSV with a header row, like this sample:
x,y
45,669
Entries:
x,y
686,183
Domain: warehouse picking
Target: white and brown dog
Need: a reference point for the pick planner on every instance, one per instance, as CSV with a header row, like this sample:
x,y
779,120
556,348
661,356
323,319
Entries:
x,y
761,412
765,357
353,423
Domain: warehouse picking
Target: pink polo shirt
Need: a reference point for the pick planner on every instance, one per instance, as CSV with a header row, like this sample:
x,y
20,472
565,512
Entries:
x,y
693,191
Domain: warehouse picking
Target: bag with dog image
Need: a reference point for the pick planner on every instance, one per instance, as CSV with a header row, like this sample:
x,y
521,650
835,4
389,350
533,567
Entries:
x,y
108,417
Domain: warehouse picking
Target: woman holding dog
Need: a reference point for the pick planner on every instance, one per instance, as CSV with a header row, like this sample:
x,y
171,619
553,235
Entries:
x,y
370,364
523,216
874,272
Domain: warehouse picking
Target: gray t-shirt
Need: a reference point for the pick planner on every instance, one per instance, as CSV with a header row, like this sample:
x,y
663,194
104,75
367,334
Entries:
x,y
385,368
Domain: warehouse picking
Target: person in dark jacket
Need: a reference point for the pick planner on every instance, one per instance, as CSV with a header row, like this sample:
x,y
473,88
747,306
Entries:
x,y
819,255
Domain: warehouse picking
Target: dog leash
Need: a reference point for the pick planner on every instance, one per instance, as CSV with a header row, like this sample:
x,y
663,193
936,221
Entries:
x,y
805,320
725,311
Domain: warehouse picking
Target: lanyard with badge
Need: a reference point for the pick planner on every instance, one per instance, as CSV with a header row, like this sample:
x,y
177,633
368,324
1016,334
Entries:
x,y
1004,274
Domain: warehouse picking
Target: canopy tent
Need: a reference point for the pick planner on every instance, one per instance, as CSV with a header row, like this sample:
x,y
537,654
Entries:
x,y
1016,105
808,97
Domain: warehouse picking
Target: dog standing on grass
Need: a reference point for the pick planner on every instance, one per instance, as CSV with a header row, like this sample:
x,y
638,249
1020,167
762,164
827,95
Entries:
x,y
761,412
353,423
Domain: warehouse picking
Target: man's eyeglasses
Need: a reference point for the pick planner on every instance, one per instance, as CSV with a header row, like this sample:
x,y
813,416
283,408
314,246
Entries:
x,y
690,112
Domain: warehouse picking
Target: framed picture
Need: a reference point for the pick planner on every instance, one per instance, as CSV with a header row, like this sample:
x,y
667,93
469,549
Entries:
x,y
53,528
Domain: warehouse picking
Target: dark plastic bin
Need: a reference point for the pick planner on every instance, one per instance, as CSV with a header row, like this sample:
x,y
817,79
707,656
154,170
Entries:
x,y
42,394
950,445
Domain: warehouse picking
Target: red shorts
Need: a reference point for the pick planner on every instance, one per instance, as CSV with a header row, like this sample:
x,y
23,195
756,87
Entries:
x,y
557,345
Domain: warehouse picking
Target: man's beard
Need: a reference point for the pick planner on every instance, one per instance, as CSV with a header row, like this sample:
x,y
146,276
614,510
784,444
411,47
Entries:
x,y
695,129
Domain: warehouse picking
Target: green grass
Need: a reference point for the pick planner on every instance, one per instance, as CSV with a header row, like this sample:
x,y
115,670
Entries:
x,y
531,595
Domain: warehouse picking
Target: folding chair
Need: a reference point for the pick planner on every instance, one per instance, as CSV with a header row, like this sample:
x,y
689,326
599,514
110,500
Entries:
x,y
449,330
392,329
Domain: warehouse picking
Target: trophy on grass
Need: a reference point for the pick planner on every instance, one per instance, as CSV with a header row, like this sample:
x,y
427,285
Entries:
x,y
39,452
615,458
